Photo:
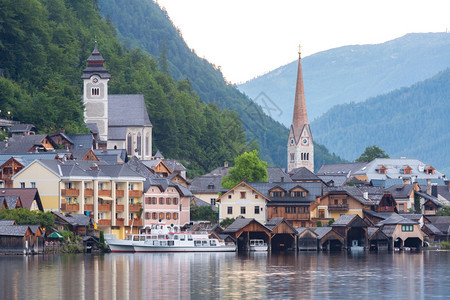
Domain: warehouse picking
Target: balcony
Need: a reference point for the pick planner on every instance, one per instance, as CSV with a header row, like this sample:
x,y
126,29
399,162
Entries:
x,y
104,222
104,193
135,193
120,193
134,207
120,222
104,207
88,192
137,222
70,192
70,207
89,207
339,207
120,207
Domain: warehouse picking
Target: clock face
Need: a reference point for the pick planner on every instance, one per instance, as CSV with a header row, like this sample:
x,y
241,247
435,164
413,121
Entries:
x,y
304,141
95,80
292,141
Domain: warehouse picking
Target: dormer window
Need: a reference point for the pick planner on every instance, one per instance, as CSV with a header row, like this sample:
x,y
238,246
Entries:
x,y
277,194
95,91
407,170
382,170
430,170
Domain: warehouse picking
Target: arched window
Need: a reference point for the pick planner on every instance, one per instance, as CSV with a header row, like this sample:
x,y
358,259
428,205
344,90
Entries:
x,y
138,143
147,216
147,144
154,216
129,143
161,200
168,201
95,91
167,216
175,216
161,215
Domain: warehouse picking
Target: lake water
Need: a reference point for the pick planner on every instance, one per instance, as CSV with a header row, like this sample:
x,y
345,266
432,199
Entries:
x,y
424,275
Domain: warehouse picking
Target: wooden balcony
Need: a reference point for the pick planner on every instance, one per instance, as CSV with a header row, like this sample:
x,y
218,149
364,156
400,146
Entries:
x,y
137,222
104,207
104,222
89,207
120,193
70,192
134,207
120,222
120,207
88,192
104,193
135,193
69,207
338,207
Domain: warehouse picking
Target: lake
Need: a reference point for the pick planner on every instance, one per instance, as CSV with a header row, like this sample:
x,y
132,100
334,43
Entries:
x,y
423,275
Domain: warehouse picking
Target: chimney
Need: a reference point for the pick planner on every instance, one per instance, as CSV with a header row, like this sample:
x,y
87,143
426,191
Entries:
x,y
434,190
428,189
94,167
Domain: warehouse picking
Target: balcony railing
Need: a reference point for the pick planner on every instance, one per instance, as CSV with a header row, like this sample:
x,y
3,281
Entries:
x,y
104,207
120,222
134,207
70,207
89,207
70,192
120,193
105,193
120,207
104,222
135,193
137,222
341,207
88,192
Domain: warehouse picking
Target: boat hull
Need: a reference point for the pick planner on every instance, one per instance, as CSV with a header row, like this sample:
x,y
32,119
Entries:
x,y
140,249
117,245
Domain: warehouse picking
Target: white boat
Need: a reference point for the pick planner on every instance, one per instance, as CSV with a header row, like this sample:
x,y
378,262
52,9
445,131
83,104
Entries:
x,y
258,245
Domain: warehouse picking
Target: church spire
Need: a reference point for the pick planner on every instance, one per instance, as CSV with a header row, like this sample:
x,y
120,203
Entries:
x,y
95,65
300,117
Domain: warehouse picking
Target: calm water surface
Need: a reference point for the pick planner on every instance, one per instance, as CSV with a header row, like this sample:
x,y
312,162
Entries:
x,y
422,275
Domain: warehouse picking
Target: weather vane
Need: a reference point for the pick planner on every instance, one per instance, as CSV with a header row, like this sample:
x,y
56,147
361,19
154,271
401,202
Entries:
x,y
299,49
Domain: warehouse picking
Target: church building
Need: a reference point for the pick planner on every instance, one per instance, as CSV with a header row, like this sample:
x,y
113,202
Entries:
x,y
122,121
300,146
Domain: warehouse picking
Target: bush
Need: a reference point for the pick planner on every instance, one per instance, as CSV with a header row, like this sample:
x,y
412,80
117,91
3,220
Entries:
x,y
319,223
445,245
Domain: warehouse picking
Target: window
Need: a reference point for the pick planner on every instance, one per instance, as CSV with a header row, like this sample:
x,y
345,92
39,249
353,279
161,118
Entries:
x,y
277,194
243,195
167,216
161,215
148,200
292,156
154,216
256,196
407,228
129,143
131,186
147,216
242,210
86,185
161,200
168,201
22,185
175,216
95,91
154,200
131,216
230,210
147,142
68,185
131,201
275,210
401,207
213,201
229,196
256,210
100,186
175,201
290,209
33,185
138,142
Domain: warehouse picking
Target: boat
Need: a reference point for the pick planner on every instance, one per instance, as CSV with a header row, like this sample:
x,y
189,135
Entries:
x,y
162,238
258,245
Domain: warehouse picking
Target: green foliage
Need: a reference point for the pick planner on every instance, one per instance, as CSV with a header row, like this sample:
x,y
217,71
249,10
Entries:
x,y
443,211
319,223
330,223
248,167
102,237
67,235
445,245
23,216
370,153
227,222
204,213
417,209
73,248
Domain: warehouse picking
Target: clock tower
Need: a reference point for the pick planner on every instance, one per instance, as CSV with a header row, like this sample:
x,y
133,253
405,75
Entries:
x,y
300,147
95,93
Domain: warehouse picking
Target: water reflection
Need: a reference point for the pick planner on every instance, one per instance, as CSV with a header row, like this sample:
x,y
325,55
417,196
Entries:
x,y
227,276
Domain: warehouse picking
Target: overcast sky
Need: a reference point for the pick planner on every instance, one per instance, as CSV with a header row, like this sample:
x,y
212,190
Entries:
x,y
247,38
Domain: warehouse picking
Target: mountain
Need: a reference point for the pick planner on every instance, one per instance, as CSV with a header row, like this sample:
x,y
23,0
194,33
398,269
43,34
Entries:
x,y
146,26
353,73
411,122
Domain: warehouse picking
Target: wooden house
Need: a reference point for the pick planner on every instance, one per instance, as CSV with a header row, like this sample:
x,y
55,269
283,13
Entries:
x,y
329,239
283,234
353,229
243,230
307,239
16,239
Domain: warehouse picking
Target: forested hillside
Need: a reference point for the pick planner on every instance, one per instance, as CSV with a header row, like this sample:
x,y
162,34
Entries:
x,y
411,122
145,25
354,73
43,50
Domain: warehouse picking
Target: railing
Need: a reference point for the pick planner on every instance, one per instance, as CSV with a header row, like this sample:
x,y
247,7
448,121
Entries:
x,y
104,222
88,192
135,193
89,207
120,222
137,222
104,207
70,192
120,193
70,207
120,207
105,193
134,207
341,207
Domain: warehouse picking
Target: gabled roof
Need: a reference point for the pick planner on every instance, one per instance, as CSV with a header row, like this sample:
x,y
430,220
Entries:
x,y
303,174
344,220
401,190
429,198
134,106
174,165
274,222
82,141
352,191
239,224
93,128
158,155
278,174
74,219
11,202
22,128
333,180
396,219
341,169
375,233
314,190
27,196
25,143
15,230
243,183
7,222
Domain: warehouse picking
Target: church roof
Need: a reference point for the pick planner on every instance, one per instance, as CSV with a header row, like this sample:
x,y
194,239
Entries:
x,y
300,117
95,66
127,110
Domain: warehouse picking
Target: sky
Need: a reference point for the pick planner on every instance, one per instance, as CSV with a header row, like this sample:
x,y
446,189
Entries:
x,y
247,38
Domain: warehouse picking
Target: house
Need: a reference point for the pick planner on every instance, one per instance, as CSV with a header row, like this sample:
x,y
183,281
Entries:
x,y
29,197
377,239
302,174
354,230
307,239
28,143
283,236
111,194
16,239
442,224
277,174
243,230
79,224
208,186
243,200
402,232
329,239
338,174
403,195
22,129
429,204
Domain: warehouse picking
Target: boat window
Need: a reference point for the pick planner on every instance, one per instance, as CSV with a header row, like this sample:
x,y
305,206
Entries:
x,y
182,237
197,243
148,237
204,243
175,237
190,237
135,238
129,237
213,243
161,236
155,243
142,238
170,243
163,243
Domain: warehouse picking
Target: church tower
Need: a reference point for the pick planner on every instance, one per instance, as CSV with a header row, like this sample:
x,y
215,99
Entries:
x,y
300,147
95,93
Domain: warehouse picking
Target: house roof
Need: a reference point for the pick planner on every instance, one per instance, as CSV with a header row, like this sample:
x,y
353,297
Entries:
x,y
174,165
429,197
321,231
82,141
22,128
278,175
433,229
303,174
206,185
388,229
134,106
15,230
7,222
111,156
396,219
314,190
379,215
337,180
343,220
27,196
93,128
239,223
24,143
341,169
352,191
158,155
11,201
74,219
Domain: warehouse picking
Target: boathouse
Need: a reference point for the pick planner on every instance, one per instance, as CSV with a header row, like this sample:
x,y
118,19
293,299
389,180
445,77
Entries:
x,y
16,239
243,230
329,239
377,239
307,239
283,234
353,229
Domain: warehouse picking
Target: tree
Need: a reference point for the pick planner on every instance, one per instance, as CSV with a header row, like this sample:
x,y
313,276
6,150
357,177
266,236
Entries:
x,y
23,216
203,213
371,153
444,211
226,222
417,209
248,167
